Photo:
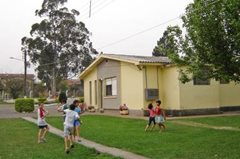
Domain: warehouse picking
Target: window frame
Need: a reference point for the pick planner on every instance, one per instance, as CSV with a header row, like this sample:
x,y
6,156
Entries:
x,y
110,87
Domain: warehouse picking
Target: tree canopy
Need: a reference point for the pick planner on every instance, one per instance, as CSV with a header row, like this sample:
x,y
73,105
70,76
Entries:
x,y
59,45
209,42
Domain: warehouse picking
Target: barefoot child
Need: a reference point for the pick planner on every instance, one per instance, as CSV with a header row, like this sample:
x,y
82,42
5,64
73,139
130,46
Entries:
x,y
42,124
71,115
151,117
160,116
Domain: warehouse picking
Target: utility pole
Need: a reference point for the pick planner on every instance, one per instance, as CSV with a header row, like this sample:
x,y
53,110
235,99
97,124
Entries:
x,y
90,8
25,73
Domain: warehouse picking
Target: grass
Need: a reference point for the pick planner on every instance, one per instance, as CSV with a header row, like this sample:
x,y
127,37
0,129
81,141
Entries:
x,y
18,140
181,142
232,121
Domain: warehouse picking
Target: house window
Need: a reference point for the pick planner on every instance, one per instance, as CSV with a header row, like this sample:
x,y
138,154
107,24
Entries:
x,y
111,86
201,81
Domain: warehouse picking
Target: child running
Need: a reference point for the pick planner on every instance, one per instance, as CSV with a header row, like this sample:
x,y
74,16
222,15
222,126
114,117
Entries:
x,y
42,124
71,115
160,116
151,117
63,107
77,122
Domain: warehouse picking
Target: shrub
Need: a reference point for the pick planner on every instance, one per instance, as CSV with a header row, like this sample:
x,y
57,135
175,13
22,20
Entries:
x,y
81,99
41,100
24,105
62,96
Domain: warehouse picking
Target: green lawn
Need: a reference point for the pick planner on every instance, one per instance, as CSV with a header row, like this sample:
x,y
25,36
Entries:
x,y
181,142
232,121
18,140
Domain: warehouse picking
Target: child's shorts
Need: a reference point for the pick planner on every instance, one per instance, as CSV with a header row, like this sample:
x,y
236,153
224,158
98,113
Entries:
x,y
151,119
159,119
76,123
68,130
43,126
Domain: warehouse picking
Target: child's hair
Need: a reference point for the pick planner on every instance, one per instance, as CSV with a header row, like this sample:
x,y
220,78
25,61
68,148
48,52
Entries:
x,y
76,101
72,107
158,102
150,106
40,104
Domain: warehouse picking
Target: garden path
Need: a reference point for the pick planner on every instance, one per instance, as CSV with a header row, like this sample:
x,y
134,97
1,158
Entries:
x,y
99,147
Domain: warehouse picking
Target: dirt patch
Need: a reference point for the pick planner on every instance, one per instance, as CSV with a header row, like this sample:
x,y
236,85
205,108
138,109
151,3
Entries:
x,y
195,124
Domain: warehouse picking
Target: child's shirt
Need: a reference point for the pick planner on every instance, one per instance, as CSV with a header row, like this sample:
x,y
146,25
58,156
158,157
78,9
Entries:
x,y
151,113
158,111
64,107
78,110
70,117
41,117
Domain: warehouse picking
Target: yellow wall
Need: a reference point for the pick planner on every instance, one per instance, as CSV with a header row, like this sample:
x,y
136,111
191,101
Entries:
x,y
199,96
230,94
169,88
92,76
132,91
150,81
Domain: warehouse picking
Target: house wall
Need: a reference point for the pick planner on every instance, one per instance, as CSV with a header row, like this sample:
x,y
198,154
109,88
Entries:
x,y
132,91
229,94
169,88
150,81
92,76
109,69
199,96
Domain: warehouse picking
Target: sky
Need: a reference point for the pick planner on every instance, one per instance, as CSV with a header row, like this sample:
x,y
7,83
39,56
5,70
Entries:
x,y
130,27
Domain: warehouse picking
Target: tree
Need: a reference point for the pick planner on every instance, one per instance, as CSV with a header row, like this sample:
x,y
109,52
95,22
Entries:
x,y
59,45
39,90
211,45
15,87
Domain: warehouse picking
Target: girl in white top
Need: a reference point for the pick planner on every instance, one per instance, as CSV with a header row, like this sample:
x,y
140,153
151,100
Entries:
x,y
42,124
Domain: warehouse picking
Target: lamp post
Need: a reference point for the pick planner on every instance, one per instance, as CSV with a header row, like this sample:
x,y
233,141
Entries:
x,y
25,71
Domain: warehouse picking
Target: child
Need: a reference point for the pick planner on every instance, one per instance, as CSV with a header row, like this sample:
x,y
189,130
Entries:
x,y
43,126
77,122
151,117
71,115
160,116
63,107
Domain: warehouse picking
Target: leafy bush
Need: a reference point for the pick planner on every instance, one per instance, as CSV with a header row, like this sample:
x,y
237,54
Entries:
x,y
62,96
81,99
41,100
24,105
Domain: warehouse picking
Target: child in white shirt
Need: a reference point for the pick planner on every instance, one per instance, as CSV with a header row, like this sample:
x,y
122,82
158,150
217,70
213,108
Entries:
x,y
71,115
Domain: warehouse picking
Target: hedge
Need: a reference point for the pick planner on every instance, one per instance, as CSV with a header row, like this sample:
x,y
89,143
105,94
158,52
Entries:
x,y
24,105
42,100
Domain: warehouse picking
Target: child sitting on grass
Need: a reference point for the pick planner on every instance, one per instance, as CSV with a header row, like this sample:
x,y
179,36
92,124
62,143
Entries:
x,y
42,124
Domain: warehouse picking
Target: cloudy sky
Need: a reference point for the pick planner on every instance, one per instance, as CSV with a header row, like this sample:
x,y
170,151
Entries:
x,y
118,26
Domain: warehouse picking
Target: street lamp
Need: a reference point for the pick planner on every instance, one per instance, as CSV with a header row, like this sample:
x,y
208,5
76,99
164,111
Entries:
x,y
25,71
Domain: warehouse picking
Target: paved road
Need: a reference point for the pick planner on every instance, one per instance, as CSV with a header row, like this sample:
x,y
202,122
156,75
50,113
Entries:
x,y
8,111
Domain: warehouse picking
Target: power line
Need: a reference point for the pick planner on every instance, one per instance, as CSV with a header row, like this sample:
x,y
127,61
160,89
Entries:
x,y
135,34
96,5
103,6
148,29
